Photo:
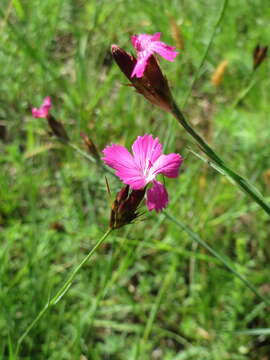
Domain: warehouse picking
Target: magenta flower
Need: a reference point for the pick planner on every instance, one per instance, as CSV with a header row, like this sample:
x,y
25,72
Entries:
x,y
43,110
141,168
146,45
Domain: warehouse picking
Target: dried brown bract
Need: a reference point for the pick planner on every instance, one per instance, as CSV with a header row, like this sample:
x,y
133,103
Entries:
x,y
57,128
259,55
90,146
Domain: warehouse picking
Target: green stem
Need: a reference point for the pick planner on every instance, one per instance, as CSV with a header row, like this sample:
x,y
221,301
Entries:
x,y
218,22
206,148
81,152
88,157
62,291
196,238
154,310
250,83
239,180
243,184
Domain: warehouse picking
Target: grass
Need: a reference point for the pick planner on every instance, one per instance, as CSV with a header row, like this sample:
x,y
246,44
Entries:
x,y
151,292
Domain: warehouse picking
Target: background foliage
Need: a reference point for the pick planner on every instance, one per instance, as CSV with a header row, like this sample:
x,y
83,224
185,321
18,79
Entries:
x,y
151,292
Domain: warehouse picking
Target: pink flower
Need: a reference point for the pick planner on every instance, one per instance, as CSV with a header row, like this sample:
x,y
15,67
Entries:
x,y
146,45
141,168
43,111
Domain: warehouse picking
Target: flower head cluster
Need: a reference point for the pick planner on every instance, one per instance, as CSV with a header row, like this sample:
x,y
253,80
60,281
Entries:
x,y
142,167
146,45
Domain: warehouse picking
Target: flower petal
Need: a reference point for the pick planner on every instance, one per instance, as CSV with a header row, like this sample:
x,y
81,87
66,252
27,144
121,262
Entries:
x,y
120,159
139,68
146,45
164,50
47,102
156,36
167,165
134,39
141,42
146,150
157,197
43,110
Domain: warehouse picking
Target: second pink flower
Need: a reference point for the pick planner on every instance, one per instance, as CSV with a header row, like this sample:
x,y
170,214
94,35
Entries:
x,y
142,167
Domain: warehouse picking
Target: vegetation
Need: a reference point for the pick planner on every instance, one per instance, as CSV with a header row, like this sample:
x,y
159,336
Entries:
x,y
153,290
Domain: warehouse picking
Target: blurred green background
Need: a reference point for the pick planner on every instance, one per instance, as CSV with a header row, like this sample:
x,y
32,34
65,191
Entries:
x,y
150,292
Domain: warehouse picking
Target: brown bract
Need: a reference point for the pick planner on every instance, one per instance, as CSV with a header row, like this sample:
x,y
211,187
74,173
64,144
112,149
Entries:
x,y
90,146
259,55
57,128
153,85
125,207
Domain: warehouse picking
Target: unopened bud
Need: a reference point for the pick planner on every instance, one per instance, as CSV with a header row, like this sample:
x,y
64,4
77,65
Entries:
x,y
57,128
153,85
90,146
124,60
125,207
259,55
3,132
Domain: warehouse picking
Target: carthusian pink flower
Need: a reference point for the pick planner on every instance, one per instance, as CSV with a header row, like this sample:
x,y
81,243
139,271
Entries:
x,y
43,110
142,167
153,85
146,45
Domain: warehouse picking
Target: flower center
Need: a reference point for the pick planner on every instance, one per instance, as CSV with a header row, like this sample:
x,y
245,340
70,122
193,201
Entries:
x,y
147,173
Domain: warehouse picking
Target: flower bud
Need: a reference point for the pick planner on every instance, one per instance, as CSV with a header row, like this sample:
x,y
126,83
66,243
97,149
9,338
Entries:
x,y
44,112
57,128
259,55
125,207
90,146
3,132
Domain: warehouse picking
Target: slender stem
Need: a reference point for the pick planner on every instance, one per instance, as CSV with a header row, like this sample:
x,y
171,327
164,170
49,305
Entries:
x,y
6,16
81,152
241,182
62,291
218,22
196,238
206,148
88,157
69,281
250,83
154,310
177,113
